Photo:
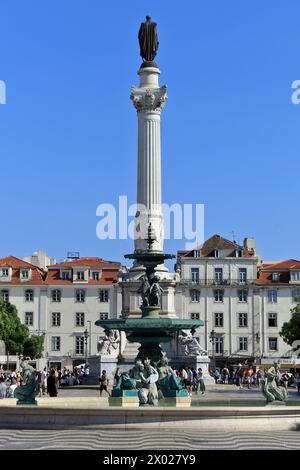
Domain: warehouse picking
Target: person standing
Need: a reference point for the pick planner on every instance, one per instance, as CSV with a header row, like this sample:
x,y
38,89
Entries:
x,y
103,383
239,376
11,389
189,381
285,379
43,381
117,376
3,388
200,382
52,384
298,382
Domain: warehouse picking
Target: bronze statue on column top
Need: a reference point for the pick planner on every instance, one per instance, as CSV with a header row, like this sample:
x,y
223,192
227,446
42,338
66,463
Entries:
x,y
148,41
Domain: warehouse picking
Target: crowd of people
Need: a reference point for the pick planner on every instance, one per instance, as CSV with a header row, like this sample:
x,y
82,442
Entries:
x,y
190,379
49,380
244,375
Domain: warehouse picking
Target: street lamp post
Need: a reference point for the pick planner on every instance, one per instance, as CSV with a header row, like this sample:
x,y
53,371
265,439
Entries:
x,y
90,336
212,337
86,335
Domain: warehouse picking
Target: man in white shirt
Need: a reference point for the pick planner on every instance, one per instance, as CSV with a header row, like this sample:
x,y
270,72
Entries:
x,y
3,388
11,389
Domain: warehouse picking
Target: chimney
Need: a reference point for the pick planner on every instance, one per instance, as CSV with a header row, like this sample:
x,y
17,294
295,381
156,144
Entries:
x,y
249,244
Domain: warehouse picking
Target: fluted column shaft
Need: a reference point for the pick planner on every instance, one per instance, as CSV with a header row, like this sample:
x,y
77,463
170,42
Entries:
x,y
149,100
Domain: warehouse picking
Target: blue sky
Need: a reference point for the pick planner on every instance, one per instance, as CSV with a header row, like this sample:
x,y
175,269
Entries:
x,y
68,133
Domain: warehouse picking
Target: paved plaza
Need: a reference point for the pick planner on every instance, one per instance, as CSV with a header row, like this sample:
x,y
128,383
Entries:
x,y
215,394
162,438
151,439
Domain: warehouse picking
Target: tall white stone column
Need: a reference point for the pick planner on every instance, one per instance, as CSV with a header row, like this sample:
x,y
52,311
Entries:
x,y
149,99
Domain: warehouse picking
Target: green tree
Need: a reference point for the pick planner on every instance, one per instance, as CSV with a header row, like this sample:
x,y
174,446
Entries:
x,y
34,347
16,335
290,330
12,332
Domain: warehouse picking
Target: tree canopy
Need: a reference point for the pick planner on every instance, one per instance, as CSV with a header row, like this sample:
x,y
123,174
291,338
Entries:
x,y
16,335
290,330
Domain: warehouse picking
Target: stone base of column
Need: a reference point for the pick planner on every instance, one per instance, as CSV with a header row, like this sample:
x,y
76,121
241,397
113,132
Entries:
x,y
203,363
97,364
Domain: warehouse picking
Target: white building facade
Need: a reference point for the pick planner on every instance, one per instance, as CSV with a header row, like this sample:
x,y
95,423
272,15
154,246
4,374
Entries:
x,y
234,293
63,304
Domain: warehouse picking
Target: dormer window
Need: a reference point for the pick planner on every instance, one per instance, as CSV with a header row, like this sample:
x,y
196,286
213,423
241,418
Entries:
x,y
24,274
65,275
197,253
4,272
216,253
96,275
276,277
80,275
295,276
238,253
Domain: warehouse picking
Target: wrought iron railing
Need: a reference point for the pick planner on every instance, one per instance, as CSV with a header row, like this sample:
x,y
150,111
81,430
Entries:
x,y
217,282
217,354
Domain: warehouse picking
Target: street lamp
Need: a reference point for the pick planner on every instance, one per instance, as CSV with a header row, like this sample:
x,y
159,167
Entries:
x,y
212,337
90,334
86,335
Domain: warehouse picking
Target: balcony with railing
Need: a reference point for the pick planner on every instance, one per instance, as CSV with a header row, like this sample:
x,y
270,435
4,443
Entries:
x,y
217,282
223,353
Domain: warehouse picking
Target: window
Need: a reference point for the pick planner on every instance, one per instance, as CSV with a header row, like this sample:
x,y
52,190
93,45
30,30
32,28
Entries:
x,y
218,274
80,275
243,275
275,277
4,272
197,253
195,274
95,275
216,253
79,319
295,276
243,343
24,274
195,316
29,295
80,295
219,295
219,320
272,296
5,295
195,295
79,345
272,320
243,320
296,295
29,318
55,343
103,316
273,344
56,295
65,275
103,295
243,295
219,349
55,318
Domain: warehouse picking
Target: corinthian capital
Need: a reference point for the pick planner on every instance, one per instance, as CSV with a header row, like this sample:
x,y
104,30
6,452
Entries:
x,y
150,99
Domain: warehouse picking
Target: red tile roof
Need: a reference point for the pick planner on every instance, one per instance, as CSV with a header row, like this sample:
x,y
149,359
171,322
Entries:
x,y
109,275
37,274
283,267
92,262
286,265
